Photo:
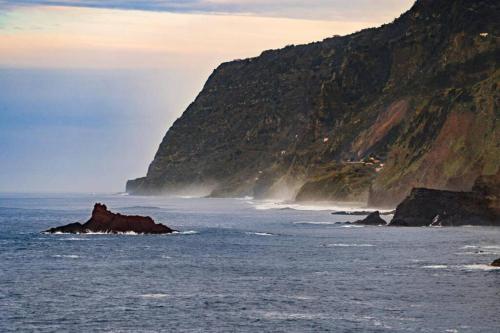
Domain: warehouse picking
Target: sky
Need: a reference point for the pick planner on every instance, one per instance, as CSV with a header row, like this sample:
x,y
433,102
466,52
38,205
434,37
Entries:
x,y
88,88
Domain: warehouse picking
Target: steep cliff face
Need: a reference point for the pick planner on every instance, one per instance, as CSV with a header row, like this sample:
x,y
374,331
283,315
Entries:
x,y
368,116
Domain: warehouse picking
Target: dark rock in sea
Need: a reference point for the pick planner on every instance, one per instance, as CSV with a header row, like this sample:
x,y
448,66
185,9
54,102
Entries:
x,y
372,219
370,115
496,263
427,207
102,220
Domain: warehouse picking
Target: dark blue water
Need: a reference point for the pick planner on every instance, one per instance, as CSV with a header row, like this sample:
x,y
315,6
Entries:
x,y
239,266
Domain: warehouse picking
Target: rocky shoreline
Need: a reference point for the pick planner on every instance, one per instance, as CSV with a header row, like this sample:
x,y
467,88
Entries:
x,y
104,221
430,208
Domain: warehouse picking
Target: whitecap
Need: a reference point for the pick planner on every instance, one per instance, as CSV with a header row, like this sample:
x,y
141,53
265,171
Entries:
x,y
349,245
154,296
471,253
313,206
469,247
485,249
352,226
436,266
87,232
316,223
301,297
277,315
247,199
259,233
71,256
187,232
75,239
273,204
480,267
129,233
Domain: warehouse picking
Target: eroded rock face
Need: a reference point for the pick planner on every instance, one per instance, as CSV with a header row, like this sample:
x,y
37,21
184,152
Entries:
x,y
427,207
419,95
104,221
372,219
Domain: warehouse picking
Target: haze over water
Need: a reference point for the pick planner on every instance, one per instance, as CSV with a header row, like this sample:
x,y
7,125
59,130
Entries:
x,y
239,264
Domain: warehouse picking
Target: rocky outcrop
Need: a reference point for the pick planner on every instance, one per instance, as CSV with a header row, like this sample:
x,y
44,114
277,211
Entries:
x,y
496,263
368,116
372,219
104,221
427,207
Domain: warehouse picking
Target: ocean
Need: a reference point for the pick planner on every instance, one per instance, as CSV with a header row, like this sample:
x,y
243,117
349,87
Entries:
x,y
239,265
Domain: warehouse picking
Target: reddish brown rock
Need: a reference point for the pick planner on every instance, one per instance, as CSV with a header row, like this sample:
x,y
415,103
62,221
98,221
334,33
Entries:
x,y
102,220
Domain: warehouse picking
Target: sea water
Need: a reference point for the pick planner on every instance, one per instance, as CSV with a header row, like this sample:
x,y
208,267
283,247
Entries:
x,y
239,265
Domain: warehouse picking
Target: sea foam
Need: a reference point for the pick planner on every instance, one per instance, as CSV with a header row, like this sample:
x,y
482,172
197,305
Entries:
x,y
259,233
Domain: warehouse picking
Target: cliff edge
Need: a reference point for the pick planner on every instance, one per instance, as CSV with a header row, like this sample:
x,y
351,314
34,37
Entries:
x,y
368,116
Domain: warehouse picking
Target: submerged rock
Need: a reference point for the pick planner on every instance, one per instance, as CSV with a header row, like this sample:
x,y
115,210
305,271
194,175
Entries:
x,y
426,207
496,263
102,220
372,219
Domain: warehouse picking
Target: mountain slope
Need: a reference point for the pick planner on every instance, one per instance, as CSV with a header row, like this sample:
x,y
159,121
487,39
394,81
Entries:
x,y
361,117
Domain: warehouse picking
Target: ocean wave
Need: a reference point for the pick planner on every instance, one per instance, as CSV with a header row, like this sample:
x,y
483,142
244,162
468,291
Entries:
x,y
280,205
318,223
247,199
480,267
259,233
278,315
349,245
154,296
481,249
75,239
435,266
349,208
469,247
352,226
301,297
142,207
125,233
93,233
71,256
187,232
467,267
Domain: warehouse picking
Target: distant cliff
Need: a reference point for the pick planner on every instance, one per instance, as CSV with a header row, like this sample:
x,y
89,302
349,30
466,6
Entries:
x,y
367,116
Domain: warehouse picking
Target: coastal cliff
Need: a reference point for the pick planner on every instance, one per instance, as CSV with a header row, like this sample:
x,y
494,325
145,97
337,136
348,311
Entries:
x,y
365,117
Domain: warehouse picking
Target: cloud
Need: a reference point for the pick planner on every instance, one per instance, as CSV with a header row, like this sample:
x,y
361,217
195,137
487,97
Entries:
x,y
348,10
70,37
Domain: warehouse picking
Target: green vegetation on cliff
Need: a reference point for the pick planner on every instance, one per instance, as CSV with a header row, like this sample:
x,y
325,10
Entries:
x,y
361,117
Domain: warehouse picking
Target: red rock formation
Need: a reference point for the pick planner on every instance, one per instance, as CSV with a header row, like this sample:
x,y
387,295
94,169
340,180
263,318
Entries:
x,y
102,220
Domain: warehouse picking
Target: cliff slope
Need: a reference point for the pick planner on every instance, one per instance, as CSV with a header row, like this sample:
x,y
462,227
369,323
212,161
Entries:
x,y
367,116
